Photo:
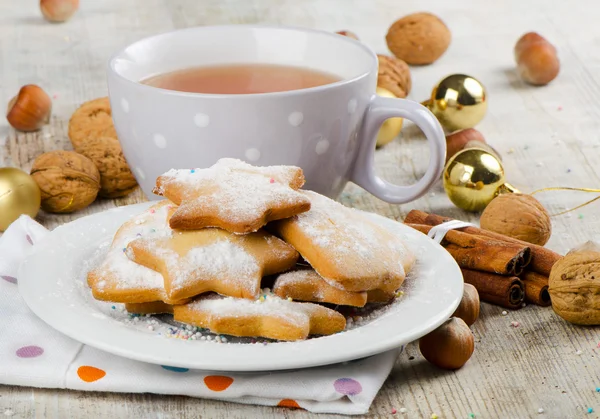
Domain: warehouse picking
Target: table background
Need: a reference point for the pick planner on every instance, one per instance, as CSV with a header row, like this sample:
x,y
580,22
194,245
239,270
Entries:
x,y
548,136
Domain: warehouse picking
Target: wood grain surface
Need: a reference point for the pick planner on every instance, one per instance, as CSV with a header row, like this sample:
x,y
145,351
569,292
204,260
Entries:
x,y
548,136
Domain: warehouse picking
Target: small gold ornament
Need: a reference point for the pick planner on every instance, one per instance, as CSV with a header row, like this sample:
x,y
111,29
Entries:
x,y
458,102
473,177
392,126
19,194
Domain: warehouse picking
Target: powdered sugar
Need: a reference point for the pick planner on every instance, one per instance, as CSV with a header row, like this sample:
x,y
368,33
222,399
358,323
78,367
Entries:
x,y
118,270
233,190
352,242
268,305
221,259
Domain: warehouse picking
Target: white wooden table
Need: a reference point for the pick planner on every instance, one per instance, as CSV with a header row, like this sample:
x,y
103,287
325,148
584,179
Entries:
x,y
548,136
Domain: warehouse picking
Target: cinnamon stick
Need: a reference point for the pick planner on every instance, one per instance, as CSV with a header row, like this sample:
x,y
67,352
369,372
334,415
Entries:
x,y
475,252
542,259
504,291
536,288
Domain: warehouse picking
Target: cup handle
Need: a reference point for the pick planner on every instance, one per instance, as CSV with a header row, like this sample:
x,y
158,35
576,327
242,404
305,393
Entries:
x,y
363,174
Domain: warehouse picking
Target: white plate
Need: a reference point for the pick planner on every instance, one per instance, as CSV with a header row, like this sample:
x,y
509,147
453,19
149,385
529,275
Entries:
x,y
52,282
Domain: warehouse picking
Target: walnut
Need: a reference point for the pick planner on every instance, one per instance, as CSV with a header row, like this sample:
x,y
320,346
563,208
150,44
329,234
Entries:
x,y
574,286
116,179
420,38
519,216
68,181
394,75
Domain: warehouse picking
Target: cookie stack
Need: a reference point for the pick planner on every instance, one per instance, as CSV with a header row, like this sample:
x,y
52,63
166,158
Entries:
x,y
204,253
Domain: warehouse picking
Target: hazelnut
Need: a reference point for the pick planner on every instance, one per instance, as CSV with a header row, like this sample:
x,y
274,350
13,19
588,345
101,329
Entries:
x,y
58,10
469,306
465,139
574,286
116,179
393,74
30,109
419,38
537,60
68,181
348,34
449,346
518,216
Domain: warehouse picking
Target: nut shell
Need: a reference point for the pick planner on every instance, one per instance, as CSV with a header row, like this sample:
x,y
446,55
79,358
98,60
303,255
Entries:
x,y
419,38
30,110
394,75
468,309
449,346
574,287
116,179
92,119
68,181
518,216
537,59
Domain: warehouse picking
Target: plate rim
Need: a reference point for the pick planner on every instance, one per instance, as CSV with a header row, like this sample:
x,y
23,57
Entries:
x,y
293,363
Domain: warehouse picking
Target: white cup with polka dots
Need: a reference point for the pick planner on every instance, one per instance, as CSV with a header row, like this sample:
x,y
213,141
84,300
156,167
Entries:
x,y
329,131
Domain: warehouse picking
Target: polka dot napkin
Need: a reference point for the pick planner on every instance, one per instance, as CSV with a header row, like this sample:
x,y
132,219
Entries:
x,y
35,355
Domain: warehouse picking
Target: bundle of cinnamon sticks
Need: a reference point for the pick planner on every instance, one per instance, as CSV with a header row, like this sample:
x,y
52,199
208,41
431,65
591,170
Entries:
x,y
505,271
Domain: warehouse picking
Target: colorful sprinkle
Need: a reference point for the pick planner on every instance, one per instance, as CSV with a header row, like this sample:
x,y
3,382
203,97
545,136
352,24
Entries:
x,y
29,351
90,374
124,249
347,386
590,410
152,210
434,416
28,237
192,170
13,280
272,180
175,369
113,307
597,389
289,403
568,170
515,324
471,415
217,382
394,411
560,108
580,216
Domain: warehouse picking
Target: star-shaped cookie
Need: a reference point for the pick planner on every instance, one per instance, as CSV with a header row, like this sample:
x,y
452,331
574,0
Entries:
x,y
212,259
120,280
269,317
345,247
233,195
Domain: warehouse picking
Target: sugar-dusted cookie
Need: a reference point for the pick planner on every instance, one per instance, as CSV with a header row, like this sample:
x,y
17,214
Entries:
x,y
380,296
92,119
212,259
120,280
269,317
233,195
307,285
345,247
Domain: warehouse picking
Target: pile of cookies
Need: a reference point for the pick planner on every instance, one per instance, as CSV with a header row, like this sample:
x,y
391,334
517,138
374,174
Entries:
x,y
243,251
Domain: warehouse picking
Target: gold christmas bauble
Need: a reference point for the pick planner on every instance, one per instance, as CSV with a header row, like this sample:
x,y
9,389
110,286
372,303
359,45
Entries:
x,y
392,126
458,102
473,177
19,194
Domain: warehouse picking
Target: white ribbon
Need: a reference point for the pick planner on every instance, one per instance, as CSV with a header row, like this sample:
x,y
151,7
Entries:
x,y
439,231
